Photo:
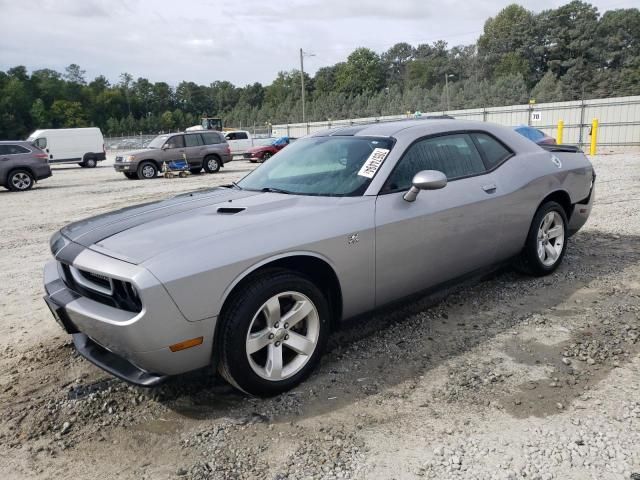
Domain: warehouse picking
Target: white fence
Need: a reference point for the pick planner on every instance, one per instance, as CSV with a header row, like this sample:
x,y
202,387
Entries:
x,y
619,120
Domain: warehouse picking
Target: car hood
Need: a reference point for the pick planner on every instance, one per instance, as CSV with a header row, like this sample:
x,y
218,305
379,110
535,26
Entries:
x,y
139,233
140,151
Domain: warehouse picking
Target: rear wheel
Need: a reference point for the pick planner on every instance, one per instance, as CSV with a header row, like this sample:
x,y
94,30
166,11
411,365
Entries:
x,y
20,181
211,164
273,333
90,163
546,242
147,171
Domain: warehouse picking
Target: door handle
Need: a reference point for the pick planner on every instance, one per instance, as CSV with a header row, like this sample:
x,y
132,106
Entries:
x,y
489,188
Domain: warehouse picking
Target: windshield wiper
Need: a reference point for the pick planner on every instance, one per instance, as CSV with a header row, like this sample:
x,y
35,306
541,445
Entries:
x,y
275,190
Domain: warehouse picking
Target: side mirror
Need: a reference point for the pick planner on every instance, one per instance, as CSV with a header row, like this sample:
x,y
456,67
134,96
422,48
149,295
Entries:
x,y
425,180
165,147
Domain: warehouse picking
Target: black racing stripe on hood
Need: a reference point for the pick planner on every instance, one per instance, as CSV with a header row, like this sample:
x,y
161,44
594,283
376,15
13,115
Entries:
x,y
69,252
93,230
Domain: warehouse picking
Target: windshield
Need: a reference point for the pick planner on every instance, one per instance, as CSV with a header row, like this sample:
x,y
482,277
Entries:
x,y
331,166
158,142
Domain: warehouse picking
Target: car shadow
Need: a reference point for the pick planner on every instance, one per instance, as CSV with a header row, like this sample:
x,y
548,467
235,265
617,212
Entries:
x,y
384,349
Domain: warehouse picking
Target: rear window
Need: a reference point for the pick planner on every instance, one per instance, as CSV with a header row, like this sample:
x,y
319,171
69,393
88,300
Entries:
x,y
12,150
211,138
193,140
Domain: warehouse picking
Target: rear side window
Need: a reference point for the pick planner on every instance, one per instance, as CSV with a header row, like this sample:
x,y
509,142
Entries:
x,y
193,140
494,152
211,138
242,136
454,155
12,150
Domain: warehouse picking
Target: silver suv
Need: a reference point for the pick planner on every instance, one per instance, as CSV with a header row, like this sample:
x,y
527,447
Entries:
x,y
21,165
208,150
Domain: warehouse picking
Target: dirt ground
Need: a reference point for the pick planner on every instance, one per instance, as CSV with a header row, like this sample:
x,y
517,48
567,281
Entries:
x,y
503,377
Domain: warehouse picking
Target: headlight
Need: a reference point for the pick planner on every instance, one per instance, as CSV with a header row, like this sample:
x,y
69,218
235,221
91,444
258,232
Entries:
x,y
131,158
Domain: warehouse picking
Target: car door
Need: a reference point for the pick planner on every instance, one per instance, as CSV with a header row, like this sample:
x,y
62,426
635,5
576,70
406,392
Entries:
x,y
195,149
444,233
174,149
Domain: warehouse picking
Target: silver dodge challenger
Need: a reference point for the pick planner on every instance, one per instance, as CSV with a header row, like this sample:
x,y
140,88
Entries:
x,y
251,278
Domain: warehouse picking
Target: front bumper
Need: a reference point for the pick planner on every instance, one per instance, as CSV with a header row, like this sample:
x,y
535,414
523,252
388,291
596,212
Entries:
x,y
125,167
133,346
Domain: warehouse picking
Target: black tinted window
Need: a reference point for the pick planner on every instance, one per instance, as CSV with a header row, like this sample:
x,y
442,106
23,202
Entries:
x,y
454,155
12,149
494,152
176,142
193,140
242,136
211,138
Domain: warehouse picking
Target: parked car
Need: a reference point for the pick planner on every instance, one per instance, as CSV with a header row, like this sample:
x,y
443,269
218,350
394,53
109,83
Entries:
x,y
265,152
84,146
240,141
347,221
535,135
204,149
22,165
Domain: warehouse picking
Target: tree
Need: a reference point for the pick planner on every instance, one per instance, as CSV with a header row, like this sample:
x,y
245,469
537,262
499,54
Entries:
x,y
548,89
39,114
363,72
73,74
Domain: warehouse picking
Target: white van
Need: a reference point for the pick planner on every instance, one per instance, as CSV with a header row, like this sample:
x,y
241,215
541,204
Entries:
x,y
84,146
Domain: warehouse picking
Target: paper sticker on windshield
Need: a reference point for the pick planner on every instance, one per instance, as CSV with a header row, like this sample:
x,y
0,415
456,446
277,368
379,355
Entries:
x,y
373,163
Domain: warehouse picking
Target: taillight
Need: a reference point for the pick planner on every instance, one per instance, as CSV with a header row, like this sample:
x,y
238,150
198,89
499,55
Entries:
x,y
103,149
42,156
228,149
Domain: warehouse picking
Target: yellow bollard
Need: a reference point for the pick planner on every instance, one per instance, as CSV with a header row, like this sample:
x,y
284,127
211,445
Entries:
x,y
560,132
594,136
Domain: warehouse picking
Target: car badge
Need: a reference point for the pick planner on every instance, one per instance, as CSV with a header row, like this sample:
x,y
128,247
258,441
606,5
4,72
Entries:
x,y
556,161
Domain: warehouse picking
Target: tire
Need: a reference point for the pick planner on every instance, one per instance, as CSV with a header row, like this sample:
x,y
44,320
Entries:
x,y
211,164
147,171
131,175
546,242
265,156
245,314
90,163
20,180
195,171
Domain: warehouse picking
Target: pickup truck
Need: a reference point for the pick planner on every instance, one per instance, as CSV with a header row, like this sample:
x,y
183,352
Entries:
x,y
240,141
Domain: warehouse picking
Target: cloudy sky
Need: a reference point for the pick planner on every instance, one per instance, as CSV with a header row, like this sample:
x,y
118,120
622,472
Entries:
x,y
240,41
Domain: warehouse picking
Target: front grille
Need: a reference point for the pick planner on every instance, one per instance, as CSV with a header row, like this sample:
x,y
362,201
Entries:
x,y
97,279
121,294
247,155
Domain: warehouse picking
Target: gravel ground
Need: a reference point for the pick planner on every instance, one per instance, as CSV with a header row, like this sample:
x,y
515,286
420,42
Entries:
x,y
502,377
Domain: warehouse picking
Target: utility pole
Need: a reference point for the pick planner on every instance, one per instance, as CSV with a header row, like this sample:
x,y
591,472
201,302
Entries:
x,y
446,86
302,55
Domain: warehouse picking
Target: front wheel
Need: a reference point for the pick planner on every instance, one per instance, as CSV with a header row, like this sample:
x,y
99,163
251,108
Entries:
x,y
546,242
147,171
273,333
265,156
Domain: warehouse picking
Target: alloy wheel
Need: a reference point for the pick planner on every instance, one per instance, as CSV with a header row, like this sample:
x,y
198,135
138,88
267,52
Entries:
x,y
550,238
21,181
282,336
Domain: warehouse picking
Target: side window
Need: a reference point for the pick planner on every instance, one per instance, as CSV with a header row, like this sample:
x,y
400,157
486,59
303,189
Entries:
x,y
494,152
230,136
210,138
454,155
12,149
41,143
193,140
176,142
4,150
242,136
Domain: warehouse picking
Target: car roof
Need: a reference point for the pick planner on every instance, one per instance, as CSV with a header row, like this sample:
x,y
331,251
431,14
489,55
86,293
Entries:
x,y
392,128
13,142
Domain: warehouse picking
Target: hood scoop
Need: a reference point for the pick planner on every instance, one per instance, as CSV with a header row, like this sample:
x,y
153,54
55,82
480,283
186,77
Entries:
x,y
230,210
